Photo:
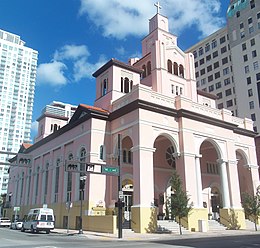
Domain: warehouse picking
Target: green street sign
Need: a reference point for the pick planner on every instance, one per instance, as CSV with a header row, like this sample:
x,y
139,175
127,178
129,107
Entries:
x,y
110,170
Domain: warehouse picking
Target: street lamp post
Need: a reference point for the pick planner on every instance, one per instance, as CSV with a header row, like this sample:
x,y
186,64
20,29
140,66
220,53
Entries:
x,y
82,186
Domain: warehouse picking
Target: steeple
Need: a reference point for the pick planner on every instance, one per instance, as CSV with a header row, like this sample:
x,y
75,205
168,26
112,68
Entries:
x,y
158,21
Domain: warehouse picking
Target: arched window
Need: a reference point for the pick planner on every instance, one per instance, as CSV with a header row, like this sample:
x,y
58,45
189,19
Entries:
x,y
55,128
181,68
175,68
124,156
46,183
104,87
29,185
149,68
82,154
21,192
122,84
37,184
57,177
102,152
169,66
129,157
131,85
144,71
69,180
126,85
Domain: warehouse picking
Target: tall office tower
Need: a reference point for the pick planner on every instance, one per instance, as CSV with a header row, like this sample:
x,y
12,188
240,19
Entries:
x,y
17,82
227,62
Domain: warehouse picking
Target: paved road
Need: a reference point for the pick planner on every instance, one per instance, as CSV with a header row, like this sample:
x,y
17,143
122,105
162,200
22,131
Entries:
x,y
16,239
241,241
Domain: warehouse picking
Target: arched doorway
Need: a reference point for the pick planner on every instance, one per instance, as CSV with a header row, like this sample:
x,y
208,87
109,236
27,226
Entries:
x,y
210,178
165,160
244,174
215,202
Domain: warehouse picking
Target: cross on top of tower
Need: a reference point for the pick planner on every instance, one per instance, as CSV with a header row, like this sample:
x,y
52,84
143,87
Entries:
x,y
158,6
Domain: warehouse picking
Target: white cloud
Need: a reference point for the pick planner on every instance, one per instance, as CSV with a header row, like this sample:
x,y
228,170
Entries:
x,y
84,69
71,52
204,15
119,18
52,73
70,61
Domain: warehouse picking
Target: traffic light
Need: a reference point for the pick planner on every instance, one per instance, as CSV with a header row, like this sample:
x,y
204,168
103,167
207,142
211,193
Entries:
x,y
82,184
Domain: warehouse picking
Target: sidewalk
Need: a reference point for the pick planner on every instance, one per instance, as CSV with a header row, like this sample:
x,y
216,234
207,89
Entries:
x,y
127,234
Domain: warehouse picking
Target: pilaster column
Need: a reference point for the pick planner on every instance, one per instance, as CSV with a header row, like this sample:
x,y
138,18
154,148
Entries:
x,y
198,182
143,176
255,176
224,183
235,197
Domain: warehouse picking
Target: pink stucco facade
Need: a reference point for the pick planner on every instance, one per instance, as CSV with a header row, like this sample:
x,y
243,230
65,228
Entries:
x,y
164,124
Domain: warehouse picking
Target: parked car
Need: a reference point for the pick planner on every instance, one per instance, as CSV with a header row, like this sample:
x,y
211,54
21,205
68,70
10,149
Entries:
x,y
5,222
16,224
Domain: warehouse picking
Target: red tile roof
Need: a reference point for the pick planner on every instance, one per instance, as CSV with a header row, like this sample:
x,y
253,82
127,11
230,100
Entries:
x,y
93,108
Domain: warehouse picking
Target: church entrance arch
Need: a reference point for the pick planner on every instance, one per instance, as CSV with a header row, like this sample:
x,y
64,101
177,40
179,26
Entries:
x,y
165,159
210,177
244,174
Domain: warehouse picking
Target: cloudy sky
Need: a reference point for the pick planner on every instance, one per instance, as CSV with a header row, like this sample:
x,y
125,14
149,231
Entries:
x,y
75,37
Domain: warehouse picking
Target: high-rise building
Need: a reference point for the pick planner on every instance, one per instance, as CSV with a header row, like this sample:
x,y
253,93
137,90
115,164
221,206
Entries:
x,y
17,82
228,61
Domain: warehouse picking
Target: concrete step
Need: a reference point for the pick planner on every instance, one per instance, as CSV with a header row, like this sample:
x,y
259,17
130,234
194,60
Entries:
x,y
215,226
170,226
250,225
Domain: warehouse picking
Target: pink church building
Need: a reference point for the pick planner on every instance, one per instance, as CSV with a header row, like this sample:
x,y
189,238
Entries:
x,y
165,124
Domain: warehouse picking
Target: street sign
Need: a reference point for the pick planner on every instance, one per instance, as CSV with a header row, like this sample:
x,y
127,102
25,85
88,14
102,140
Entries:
x,y
68,205
83,167
120,195
17,209
110,170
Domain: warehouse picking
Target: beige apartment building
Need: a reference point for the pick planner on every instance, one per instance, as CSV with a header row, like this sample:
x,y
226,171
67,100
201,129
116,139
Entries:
x,y
227,61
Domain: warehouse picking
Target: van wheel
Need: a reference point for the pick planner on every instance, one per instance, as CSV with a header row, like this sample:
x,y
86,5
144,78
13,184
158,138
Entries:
x,y
47,231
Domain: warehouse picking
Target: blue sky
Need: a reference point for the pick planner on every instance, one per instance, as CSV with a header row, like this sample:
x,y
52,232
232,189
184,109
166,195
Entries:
x,y
75,37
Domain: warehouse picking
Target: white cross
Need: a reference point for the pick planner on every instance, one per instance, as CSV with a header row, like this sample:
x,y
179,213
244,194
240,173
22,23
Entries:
x,y
157,5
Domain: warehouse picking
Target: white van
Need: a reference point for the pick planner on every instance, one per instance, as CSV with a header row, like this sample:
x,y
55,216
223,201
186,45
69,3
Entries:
x,y
39,219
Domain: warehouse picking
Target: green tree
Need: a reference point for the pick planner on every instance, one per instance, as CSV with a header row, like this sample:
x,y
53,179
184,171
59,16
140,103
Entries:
x,y
251,205
178,203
